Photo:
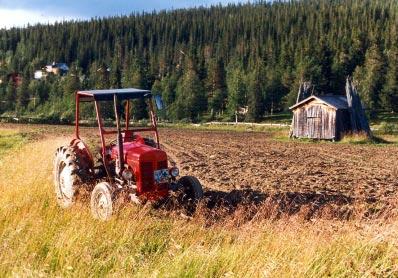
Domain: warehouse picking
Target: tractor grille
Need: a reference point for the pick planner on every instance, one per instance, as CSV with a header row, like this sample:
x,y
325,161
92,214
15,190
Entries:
x,y
146,174
162,164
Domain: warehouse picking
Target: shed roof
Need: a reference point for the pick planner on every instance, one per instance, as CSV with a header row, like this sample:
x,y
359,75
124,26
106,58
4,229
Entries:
x,y
129,93
334,101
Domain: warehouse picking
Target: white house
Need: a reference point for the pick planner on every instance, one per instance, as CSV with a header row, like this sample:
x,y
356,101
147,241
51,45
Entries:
x,y
57,68
38,74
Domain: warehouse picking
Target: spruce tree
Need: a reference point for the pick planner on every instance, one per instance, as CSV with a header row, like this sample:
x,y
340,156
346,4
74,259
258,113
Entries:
x,y
10,96
215,85
191,101
371,78
168,84
157,88
236,89
255,94
325,58
274,92
133,76
22,98
115,75
72,82
389,95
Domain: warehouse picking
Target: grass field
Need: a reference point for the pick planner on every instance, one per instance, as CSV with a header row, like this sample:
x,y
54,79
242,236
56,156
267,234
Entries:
x,y
10,139
39,239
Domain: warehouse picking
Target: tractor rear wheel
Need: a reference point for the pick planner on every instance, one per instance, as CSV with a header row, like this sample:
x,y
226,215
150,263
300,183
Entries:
x,y
101,201
66,180
191,192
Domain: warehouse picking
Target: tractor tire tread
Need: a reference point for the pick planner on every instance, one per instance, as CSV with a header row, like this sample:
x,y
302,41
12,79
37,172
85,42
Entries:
x,y
66,155
195,186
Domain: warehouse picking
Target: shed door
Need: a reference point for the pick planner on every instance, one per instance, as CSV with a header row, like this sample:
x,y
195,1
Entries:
x,y
314,122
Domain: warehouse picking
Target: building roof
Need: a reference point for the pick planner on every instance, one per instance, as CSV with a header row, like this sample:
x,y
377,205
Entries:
x,y
334,101
100,95
60,66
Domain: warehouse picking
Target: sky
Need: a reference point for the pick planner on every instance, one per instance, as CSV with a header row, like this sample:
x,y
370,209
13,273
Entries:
x,y
19,13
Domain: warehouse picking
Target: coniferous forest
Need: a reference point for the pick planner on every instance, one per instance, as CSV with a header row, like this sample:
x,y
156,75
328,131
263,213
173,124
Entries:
x,y
208,63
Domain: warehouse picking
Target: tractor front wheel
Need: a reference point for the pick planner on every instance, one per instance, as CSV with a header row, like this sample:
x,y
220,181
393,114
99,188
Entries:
x,y
101,201
191,192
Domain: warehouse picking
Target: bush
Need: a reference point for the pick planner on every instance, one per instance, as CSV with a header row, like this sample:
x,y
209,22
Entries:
x,y
185,121
67,117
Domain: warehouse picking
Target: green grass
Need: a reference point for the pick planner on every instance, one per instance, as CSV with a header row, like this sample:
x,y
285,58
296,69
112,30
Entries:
x,y
281,130
10,140
281,118
385,117
363,139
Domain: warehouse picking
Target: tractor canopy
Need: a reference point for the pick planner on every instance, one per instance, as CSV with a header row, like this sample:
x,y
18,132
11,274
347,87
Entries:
x,y
108,95
117,96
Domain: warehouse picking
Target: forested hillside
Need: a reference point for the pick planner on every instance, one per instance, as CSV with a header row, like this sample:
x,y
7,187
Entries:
x,y
208,62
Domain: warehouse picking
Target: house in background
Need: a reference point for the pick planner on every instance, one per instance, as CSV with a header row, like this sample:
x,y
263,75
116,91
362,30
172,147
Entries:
x,y
321,117
57,68
54,68
40,74
329,117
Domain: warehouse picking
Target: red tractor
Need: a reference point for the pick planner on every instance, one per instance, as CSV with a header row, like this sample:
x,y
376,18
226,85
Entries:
x,y
130,163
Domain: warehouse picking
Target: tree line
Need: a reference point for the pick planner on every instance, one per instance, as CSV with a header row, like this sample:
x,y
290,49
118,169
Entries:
x,y
208,63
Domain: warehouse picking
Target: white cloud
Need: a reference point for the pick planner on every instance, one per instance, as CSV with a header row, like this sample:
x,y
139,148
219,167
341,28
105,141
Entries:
x,y
20,13
19,18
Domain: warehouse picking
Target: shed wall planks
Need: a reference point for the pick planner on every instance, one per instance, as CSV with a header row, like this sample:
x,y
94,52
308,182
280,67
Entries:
x,y
319,121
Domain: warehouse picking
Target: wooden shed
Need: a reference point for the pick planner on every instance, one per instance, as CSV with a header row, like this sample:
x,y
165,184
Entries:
x,y
321,117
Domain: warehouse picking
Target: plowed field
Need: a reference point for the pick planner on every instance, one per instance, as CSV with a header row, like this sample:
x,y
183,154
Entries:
x,y
316,179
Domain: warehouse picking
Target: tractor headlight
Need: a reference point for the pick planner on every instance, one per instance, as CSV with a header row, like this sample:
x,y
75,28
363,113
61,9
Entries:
x,y
127,174
174,172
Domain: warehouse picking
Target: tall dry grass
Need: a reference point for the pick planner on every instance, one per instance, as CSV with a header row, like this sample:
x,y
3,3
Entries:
x,y
37,238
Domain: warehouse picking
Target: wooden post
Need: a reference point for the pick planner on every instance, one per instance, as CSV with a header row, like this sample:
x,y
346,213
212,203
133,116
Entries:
x,y
300,92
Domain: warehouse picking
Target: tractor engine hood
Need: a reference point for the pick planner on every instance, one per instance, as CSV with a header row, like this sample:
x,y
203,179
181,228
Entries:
x,y
135,152
144,160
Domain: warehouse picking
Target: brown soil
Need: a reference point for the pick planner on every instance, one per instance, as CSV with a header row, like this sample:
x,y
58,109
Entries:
x,y
309,179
